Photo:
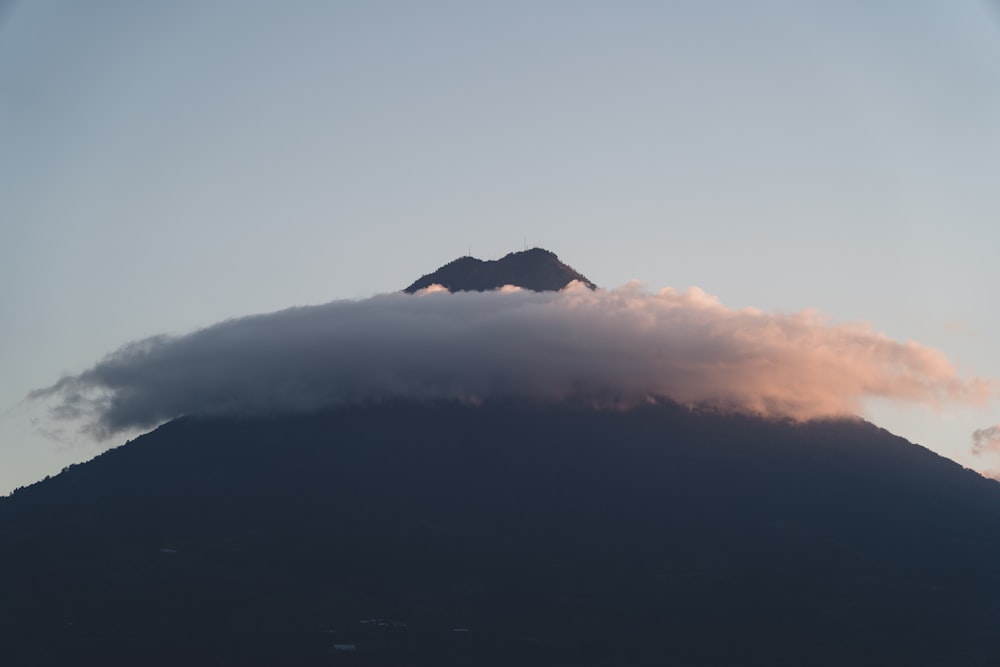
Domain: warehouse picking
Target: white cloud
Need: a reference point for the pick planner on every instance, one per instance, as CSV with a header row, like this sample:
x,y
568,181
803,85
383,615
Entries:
x,y
613,348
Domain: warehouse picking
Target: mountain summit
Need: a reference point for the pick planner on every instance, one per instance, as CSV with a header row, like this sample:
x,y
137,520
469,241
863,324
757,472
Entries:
x,y
537,269
412,517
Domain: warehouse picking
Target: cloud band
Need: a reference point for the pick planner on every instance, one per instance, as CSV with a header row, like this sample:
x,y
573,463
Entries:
x,y
614,348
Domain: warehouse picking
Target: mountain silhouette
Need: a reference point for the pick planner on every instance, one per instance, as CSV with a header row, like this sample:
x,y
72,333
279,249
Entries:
x,y
504,533
420,534
536,269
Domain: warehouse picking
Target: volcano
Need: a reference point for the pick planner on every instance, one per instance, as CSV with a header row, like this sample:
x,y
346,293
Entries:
x,y
537,269
499,532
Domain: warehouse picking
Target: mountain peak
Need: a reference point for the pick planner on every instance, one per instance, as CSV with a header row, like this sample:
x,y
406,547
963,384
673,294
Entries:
x,y
536,269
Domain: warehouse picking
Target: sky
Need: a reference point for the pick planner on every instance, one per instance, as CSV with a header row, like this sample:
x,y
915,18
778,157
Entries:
x,y
168,166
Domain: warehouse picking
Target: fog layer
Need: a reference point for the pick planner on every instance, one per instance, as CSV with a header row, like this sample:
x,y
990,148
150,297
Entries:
x,y
613,348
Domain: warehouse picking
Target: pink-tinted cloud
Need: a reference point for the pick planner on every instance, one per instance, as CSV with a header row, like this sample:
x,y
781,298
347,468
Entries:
x,y
614,348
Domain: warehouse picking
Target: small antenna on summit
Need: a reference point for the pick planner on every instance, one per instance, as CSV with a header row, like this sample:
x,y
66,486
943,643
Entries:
x,y
525,242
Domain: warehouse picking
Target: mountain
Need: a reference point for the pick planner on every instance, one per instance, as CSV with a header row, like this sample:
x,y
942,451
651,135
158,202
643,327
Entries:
x,y
536,269
504,533
549,534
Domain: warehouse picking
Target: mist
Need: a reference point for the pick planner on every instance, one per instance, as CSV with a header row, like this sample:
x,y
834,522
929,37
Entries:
x,y
986,439
613,348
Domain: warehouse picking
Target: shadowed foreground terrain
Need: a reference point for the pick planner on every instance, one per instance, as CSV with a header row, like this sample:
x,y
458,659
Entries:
x,y
504,534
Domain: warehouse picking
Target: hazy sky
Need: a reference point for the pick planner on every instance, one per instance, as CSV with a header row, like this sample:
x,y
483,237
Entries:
x,y
165,166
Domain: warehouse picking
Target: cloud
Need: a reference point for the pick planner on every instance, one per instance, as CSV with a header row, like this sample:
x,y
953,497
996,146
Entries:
x,y
614,348
990,474
986,440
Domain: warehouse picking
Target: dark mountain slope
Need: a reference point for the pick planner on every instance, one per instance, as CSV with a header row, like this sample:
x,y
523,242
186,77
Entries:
x,y
535,269
553,535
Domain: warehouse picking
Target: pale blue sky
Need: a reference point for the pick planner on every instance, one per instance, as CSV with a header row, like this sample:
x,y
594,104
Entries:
x,y
164,166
